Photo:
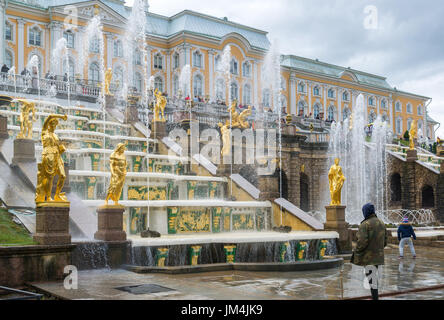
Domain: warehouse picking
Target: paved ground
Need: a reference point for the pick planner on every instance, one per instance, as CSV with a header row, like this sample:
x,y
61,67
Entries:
x,y
426,270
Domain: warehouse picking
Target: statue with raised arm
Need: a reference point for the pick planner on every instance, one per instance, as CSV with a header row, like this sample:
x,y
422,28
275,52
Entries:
x,y
234,114
52,163
108,77
226,138
26,123
242,122
159,106
117,164
336,180
413,134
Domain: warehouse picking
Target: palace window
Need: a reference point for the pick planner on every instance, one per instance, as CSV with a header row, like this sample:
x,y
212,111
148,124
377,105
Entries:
x,y
301,108
118,48
69,37
94,45
138,82
35,36
217,63
398,107
8,31
331,93
94,73
137,57
283,104
234,91
301,87
158,61
197,59
233,67
69,69
158,84
266,98
9,61
371,101
246,94
419,110
246,69
316,111
118,77
331,113
372,117
176,61
409,123
316,91
383,104
409,108
345,96
220,89
176,85
385,118
346,113
197,85
398,125
420,125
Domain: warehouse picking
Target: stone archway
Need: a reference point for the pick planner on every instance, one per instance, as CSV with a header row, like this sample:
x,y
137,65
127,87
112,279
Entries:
x,y
304,193
427,197
395,187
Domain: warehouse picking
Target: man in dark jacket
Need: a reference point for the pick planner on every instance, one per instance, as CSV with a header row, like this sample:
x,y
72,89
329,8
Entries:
x,y
5,68
369,251
405,234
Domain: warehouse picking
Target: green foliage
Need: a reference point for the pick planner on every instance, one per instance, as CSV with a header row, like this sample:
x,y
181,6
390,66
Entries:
x,y
12,233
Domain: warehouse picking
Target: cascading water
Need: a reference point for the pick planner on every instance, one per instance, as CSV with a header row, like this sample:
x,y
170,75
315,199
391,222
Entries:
x,y
61,50
363,161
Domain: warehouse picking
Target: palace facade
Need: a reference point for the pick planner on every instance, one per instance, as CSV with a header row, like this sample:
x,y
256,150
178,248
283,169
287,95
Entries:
x,y
309,87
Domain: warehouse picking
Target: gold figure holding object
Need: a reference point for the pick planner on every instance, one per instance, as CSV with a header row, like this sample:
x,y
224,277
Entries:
x,y
234,113
336,180
226,138
242,122
52,163
159,106
108,77
25,121
413,134
118,172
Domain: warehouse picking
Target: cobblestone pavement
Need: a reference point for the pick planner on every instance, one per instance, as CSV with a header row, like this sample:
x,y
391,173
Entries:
x,y
345,282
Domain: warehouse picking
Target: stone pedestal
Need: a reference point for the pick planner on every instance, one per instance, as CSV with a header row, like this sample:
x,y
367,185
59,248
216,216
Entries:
x,y
131,114
110,101
440,151
52,224
336,222
3,127
24,150
269,187
409,181
159,130
110,223
412,155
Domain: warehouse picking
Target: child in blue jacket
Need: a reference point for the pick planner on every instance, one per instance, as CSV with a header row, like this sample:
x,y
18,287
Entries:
x,y
405,234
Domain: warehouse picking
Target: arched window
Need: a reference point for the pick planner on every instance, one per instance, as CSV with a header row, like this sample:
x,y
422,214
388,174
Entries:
x,y
138,83
246,94
220,89
316,91
301,87
94,45
233,66
35,36
137,57
371,101
158,61
420,125
331,113
234,91
283,104
158,84
176,85
69,37
428,197
301,108
409,123
398,106
316,111
197,59
371,117
8,31
118,49
9,61
346,113
69,69
383,104
217,63
398,125
197,85
246,69
385,118
409,108
118,77
176,62
331,93
266,98
345,96
93,73
419,110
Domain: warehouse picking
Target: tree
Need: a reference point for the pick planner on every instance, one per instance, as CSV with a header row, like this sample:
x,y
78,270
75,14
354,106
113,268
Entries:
x,y
406,135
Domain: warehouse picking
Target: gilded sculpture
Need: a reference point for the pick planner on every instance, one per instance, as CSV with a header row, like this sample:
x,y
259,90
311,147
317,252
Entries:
x,y
226,138
52,163
118,166
239,120
159,106
413,134
108,77
336,180
26,123
242,122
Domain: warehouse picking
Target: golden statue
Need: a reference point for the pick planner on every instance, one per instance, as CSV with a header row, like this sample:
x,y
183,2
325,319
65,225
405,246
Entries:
x,y
25,121
242,122
118,165
108,77
234,113
160,105
52,163
413,134
226,138
336,180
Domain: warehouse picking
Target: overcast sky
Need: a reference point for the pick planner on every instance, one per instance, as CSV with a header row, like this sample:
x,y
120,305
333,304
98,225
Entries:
x,y
407,45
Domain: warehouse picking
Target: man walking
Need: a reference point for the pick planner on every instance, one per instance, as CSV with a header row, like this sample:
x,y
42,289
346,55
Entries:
x,y
405,234
369,251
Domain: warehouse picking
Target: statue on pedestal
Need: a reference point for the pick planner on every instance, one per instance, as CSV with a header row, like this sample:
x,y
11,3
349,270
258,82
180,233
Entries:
x,y
226,138
108,77
25,122
159,106
52,163
336,180
118,166
413,133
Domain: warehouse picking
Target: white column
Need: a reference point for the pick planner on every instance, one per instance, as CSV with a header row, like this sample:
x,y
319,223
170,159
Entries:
x,y
211,74
2,31
293,83
339,93
309,87
148,62
390,113
255,85
21,45
325,103
109,49
168,71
